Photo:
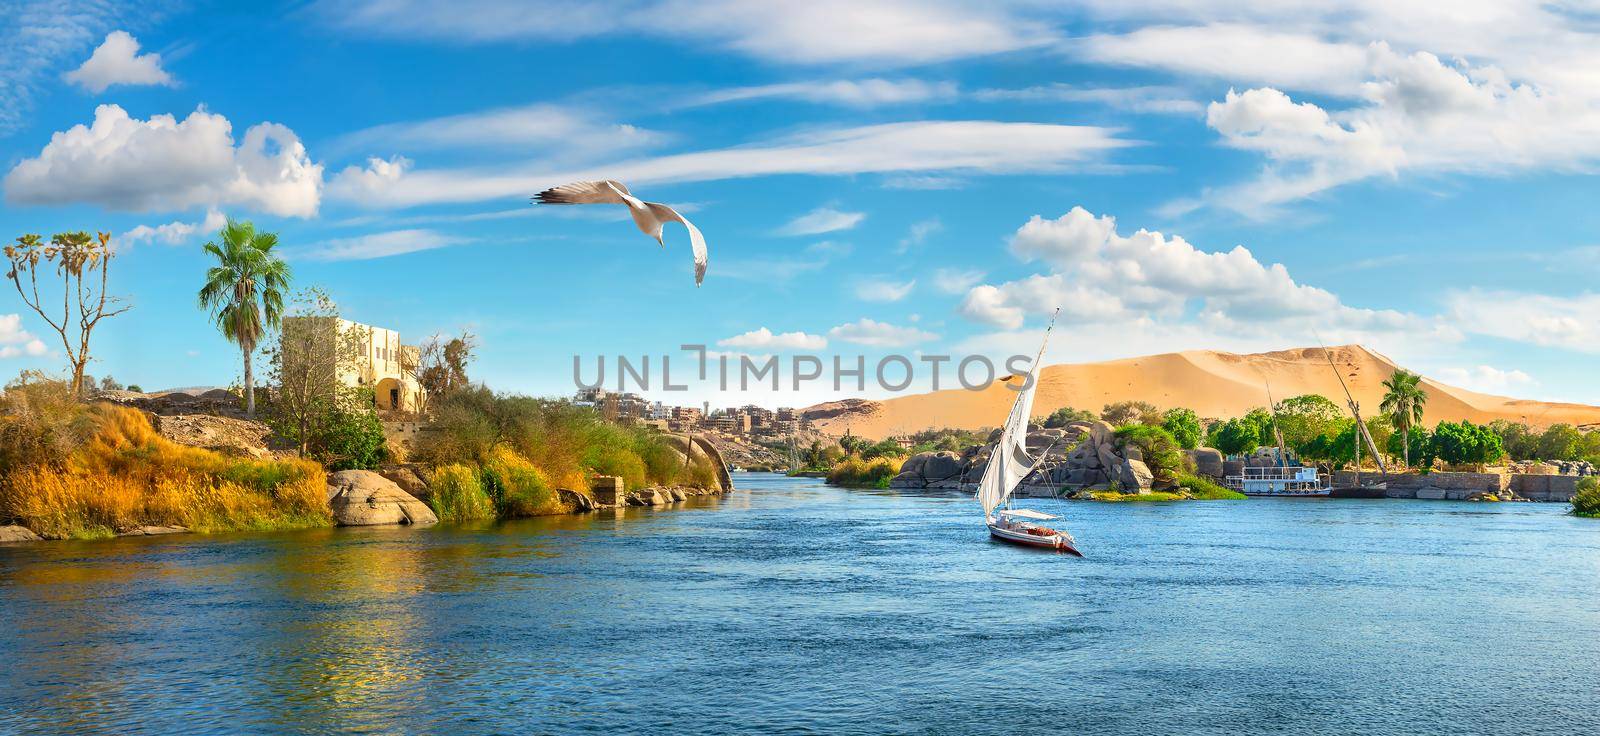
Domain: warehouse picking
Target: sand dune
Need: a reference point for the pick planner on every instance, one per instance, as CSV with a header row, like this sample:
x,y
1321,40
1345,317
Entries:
x,y
1214,384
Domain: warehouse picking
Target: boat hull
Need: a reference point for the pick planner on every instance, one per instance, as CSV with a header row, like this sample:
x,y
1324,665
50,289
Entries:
x,y
1360,492
1056,541
1285,494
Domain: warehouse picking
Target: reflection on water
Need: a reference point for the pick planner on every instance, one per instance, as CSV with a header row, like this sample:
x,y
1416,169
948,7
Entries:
x,y
791,606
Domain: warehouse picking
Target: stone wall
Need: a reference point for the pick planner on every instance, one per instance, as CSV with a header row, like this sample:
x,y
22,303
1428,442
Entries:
x,y
1457,486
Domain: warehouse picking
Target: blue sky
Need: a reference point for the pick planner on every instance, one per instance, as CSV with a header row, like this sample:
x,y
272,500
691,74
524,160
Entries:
x,y
876,176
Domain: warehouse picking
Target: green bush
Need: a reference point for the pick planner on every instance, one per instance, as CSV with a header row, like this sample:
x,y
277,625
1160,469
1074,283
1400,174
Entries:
x,y
858,473
1586,502
458,495
1160,450
1205,489
350,438
1465,442
517,488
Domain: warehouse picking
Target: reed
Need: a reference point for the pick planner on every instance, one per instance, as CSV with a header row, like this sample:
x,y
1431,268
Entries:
x,y
125,475
859,473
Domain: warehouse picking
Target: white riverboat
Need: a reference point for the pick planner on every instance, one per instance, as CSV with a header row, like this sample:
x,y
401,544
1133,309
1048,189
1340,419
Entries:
x,y
1279,480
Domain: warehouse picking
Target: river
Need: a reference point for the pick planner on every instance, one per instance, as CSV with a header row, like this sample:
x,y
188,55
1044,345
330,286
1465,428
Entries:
x,y
792,607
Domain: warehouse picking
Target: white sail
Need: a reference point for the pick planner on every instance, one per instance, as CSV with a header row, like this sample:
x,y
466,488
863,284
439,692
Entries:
x,y
1010,461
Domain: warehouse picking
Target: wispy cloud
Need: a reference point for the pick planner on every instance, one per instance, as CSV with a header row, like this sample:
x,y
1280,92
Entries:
x,y
969,146
1145,99
378,245
919,232
851,93
765,339
879,334
883,290
174,233
821,220
567,130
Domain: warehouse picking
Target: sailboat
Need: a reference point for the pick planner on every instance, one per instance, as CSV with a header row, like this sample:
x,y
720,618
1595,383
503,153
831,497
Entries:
x,y
1008,465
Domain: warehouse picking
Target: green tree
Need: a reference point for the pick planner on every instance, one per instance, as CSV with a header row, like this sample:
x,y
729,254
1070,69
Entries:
x,y
1520,442
1403,401
1304,418
1184,426
1237,436
1065,415
244,291
1161,452
349,436
1560,442
1586,502
1465,442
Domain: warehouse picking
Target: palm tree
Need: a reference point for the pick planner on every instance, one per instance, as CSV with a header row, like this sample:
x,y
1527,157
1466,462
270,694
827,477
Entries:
x,y
1403,400
244,291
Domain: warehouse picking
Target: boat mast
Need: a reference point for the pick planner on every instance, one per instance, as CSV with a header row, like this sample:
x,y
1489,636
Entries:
x,y
1361,427
1283,459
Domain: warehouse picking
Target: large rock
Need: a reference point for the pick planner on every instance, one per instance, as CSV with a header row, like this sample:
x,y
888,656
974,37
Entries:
x,y
1135,476
408,479
578,502
14,533
364,498
942,466
1207,462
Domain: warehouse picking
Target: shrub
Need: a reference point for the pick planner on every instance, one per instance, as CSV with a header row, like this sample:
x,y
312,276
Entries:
x,y
1586,502
860,473
40,422
350,438
516,486
126,475
1064,416
1205,489
457,494
1160,450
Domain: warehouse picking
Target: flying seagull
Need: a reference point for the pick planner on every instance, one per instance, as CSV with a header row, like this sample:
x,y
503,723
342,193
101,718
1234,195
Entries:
x,y
649,216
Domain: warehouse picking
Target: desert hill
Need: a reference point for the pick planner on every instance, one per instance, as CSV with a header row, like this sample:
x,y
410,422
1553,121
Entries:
x,y
1214,384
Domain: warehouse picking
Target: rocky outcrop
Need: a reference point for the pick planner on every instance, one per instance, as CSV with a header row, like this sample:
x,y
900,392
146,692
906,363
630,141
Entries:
x,y
365,498
1082,454
14,533
226,435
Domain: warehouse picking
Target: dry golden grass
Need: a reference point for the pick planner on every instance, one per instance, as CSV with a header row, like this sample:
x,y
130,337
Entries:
x,y
127,475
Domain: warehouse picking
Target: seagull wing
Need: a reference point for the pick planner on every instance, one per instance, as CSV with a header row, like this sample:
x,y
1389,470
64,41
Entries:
x,y
585,192
696,241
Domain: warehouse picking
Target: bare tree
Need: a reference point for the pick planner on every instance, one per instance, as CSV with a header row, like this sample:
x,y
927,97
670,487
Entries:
x,y
439,365
84,301
305,366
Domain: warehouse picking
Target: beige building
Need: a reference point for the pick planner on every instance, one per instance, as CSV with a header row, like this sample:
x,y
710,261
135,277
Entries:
x,y
379,361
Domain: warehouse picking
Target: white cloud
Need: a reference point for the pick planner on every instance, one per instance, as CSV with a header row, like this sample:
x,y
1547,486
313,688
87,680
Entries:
x,y
118,61
1235,53
882,290
1488,379
822,220
1146,99
879,334
919,232
15,341
378,245
174,233
955,281
125,163
568,130
851,93
1095,273
880,32
765,339
1541,319
38,38
972,146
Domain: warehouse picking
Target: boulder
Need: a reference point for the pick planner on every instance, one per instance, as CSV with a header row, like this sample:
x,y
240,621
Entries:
x,y
941,466
150,531
1132,452
408,479
578,502
647,497
913,465
1108,456
364,498
14,533
1207,462
1135,476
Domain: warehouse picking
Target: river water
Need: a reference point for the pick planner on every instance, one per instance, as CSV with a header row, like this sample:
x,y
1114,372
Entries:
x,y
795,608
